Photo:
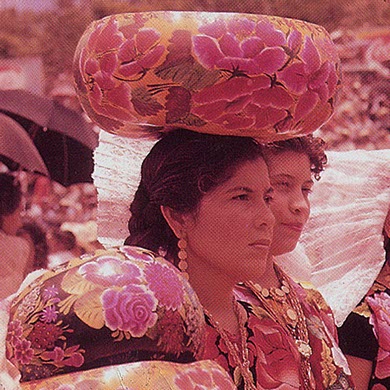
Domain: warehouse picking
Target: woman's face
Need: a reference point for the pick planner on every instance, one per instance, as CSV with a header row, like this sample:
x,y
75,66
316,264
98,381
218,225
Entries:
x,y
291,179
232,230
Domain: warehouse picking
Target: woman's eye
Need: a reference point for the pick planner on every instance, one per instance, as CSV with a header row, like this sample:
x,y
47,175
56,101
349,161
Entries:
x,y
307,191
241,197
268,199
283,184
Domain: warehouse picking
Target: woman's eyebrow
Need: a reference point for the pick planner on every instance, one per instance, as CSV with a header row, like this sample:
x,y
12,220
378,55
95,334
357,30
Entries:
x,y
240,188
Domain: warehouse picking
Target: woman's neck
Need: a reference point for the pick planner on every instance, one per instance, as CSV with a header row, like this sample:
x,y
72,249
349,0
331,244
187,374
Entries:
x,y
215,292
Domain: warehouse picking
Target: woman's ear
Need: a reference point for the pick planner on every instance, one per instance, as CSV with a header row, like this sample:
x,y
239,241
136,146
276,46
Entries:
x,y
176,221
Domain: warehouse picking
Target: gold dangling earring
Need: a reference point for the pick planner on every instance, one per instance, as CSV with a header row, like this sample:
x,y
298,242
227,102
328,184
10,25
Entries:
x,y
182,255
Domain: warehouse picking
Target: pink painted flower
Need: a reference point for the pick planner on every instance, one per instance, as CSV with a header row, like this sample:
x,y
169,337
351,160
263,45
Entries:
x,y
110,271
132,310
23,351
380,319
14,332
240,46
312,80
113,56
165,284
277,360
49,314
243,103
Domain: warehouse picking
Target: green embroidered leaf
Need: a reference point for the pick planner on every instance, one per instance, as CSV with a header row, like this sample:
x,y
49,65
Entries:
x,y
74,283
90,310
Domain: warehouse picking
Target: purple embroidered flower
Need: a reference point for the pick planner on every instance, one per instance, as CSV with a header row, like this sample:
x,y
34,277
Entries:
x,y
165,284
23,351
129,310
49,292
110,271
15,331
49,314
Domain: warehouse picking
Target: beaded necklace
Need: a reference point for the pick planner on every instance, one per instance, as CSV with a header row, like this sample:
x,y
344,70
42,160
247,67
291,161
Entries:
x,y
284,307
240,354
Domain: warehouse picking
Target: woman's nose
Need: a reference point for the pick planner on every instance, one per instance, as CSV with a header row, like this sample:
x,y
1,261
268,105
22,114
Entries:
x,y
299,204
264,216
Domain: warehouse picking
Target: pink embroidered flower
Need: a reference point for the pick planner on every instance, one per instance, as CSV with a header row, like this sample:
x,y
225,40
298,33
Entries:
x,y
49,314
277,360
310,79
71,357
380,319
15,331
240,46
23,351
165,284
110,271
378,386
44,335
132,310
113,56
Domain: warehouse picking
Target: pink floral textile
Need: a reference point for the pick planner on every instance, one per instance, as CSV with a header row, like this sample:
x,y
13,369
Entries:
x,y
273,354
366,331
223,73
106,308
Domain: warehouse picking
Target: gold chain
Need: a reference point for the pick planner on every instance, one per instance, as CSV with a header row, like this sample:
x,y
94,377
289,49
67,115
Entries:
x,y
287,311
240,357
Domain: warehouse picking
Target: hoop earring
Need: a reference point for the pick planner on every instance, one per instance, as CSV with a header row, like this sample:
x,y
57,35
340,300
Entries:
x,y
182,255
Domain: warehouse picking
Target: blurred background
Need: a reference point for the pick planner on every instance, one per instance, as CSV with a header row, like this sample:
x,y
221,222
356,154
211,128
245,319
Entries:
x,y
38,39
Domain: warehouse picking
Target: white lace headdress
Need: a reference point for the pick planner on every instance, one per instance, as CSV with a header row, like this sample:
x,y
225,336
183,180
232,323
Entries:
x,y
343,240
341,248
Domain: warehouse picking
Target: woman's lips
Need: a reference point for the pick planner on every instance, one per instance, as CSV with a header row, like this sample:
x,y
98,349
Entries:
x,y
298,227
261,243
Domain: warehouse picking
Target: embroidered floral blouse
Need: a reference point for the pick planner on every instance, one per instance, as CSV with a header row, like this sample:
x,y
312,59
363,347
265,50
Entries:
x,y
273,354
366,331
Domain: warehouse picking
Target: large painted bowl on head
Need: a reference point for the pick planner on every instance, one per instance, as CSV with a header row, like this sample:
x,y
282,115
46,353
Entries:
x,y
117,306
221,73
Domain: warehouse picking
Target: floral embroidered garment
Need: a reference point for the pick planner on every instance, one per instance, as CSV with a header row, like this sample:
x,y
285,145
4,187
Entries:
x,y
117,306
273,354
366,331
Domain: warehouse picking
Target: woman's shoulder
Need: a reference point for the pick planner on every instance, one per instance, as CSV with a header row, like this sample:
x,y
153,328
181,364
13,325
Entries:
x,y
132,302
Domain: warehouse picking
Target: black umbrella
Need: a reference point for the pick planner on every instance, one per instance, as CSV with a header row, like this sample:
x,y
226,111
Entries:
x,y
63,137
17,150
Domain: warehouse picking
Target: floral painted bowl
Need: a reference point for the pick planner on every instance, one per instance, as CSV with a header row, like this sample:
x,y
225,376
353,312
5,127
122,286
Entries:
x,y
222,73
117,306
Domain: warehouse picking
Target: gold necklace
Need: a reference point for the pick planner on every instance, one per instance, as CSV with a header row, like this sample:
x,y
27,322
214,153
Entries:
x,y
240,355
285,308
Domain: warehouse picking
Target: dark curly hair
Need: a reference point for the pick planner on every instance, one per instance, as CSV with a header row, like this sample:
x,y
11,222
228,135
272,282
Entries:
x,y
314,147
178,171
10,195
